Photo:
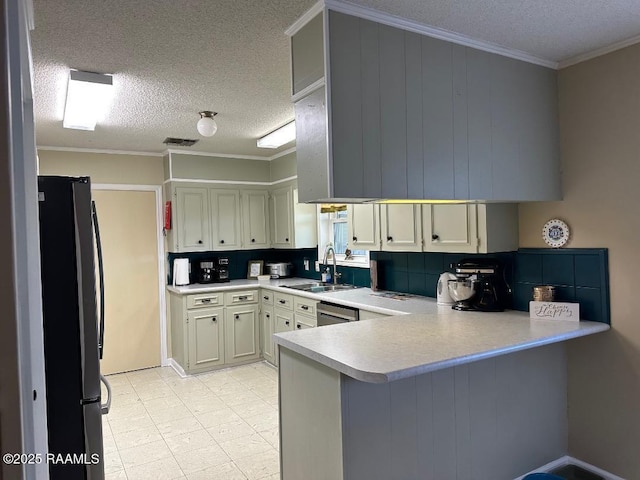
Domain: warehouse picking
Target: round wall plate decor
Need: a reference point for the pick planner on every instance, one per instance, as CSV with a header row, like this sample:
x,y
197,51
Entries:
x,y
555,233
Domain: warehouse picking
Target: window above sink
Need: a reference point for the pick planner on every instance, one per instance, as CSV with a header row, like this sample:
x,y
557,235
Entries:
x,y
333,230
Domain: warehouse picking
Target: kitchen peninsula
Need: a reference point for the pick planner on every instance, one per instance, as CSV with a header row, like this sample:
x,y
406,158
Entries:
x,y
455,395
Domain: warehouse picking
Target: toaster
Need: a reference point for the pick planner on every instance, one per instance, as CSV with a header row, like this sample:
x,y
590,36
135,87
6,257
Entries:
x,y
279,270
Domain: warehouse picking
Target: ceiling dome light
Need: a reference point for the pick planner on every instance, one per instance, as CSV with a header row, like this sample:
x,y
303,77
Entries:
x,y
207,126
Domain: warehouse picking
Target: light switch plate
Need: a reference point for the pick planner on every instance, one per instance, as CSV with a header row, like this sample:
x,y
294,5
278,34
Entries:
x,y
317,266
306,264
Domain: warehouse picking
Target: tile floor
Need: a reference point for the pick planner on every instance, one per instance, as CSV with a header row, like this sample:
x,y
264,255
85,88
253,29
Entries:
x,y
221,425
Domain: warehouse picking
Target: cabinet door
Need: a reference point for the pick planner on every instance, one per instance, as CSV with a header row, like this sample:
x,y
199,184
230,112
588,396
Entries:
x,y
206,345
305,321
364,226
225,219
255,218
450,228
192,219
282,217
283,320
242,334
401,227
268,347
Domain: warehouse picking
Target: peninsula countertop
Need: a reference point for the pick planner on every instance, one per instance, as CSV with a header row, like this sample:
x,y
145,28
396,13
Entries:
x,y
386,349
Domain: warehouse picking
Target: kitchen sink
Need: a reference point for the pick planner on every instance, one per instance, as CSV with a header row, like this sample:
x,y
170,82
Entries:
x,y
319,287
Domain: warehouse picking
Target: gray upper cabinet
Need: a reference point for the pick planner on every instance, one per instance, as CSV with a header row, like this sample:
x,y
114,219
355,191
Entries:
x,y
412,117
307,55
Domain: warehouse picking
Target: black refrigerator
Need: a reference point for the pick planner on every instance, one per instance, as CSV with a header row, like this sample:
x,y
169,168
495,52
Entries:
x,y
73,328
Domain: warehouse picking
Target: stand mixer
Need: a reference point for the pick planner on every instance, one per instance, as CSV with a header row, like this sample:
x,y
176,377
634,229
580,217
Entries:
x,y
479,285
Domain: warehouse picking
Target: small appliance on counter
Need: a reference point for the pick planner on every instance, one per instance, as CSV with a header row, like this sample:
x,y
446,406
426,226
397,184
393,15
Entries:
x,y
479,285
213,270
442,289
279,270
180,272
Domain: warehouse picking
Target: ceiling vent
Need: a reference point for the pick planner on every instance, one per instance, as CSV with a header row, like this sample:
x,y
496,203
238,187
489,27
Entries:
x,y
179,142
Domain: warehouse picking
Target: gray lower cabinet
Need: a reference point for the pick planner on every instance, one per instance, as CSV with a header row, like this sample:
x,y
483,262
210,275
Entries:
x,y
210,330
268,347
283,322
241,334
206,338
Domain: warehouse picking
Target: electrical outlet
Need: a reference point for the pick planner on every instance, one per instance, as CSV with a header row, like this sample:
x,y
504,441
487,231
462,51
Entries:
x,y
306,264
317,266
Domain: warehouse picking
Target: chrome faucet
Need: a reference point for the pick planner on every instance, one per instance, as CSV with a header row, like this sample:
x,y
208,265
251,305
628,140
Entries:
x,y
324,262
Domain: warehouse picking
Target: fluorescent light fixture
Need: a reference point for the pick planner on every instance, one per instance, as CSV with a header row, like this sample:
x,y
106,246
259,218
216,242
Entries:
x,y
88,97
279,137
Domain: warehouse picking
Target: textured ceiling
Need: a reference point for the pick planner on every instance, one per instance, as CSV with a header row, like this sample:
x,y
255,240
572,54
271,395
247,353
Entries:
x,y
172,59
554,30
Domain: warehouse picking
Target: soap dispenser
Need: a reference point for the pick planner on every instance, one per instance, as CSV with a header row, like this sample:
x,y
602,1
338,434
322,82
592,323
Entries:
x,y
326,275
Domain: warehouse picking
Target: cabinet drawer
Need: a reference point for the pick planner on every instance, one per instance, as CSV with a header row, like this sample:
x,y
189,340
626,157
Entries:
x,y
283,300
304,306
266,297
204,300
240,298
304,321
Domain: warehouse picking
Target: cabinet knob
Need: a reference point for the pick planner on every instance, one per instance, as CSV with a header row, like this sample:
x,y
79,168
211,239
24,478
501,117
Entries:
x,y
304,307
213,319
253,240
282,301
299,326
389,239
355,239
268,315
435,237
237,317
287,322
206,300
265,297
221,241
286,239
200,242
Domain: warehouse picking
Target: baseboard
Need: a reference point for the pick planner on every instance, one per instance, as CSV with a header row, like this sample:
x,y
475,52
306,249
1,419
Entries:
x,y
594,469
549,466
178,369
566,460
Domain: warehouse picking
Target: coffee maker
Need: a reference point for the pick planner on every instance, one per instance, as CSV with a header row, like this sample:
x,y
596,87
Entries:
x,y
479,285
213,270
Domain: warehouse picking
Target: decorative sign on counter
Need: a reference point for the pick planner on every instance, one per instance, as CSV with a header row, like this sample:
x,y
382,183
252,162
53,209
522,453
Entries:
x,y
554,311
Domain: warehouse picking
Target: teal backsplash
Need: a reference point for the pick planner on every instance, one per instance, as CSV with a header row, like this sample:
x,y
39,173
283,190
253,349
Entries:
x,y
579,275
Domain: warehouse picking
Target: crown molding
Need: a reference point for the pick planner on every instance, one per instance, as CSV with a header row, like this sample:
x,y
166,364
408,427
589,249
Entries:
x,y
230,182
598,52
97,150
224,155
283,153
305,18
219,155
413,26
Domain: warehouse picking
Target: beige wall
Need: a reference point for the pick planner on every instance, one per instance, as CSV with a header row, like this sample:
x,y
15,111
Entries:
x,y
103,167
283,167
600,142
219,168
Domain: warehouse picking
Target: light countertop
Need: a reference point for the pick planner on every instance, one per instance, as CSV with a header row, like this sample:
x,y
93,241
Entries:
x,y
387,349
419,337
362,298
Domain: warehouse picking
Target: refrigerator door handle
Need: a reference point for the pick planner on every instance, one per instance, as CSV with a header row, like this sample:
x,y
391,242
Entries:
x,y
105,407
96,229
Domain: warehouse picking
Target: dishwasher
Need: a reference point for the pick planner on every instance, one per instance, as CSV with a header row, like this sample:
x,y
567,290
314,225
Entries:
x,y
330,314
